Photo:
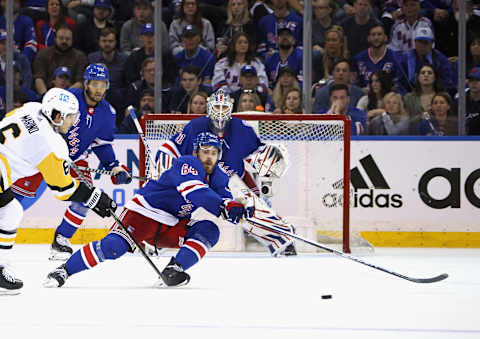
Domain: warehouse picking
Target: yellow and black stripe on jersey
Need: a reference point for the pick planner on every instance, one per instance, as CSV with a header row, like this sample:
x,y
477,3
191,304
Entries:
x,y
5,174
56,173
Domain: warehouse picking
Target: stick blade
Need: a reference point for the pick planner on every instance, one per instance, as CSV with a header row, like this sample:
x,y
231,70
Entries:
x,y
430,280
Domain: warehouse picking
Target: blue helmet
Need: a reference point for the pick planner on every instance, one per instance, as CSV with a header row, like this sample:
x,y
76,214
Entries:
x,y
208,139
96,72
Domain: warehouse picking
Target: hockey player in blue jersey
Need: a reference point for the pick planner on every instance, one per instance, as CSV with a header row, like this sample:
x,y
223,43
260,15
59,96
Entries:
x,y
239,143
160,214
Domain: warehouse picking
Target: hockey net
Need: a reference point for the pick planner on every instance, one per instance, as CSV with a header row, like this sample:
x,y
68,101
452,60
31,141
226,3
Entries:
x,y
313,195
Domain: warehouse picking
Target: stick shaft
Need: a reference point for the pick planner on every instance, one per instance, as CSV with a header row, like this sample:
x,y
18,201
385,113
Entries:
x,y
100,171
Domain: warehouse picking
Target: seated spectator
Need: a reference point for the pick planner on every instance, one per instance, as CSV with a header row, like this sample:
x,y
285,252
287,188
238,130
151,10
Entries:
x,y
56,17
17,87
146,106
62,78
62,54
420,99
403,31
287,55
393,120
24,32
249,102
323,20
268,26
88,31
377,57
135,60
335,49
136,89
190,15
372,103
292,103
422,54
19,60
238,20
197,103
35,9
473,51
227,70
190,83
131,29
472,107
341,75
259,9
340,99
285,82
440,120
357,27
194,54
249,81
115,62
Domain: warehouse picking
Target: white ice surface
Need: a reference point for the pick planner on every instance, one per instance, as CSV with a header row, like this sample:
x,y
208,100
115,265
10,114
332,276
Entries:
x,y
251,296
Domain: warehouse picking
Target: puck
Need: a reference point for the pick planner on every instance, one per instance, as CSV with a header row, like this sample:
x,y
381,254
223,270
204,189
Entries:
x,y
327,296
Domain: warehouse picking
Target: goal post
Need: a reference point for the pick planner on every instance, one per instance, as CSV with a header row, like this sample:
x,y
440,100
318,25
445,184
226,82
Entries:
x,y
314,194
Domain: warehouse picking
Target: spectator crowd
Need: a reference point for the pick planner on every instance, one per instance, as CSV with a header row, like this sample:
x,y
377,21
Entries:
x,y
391,65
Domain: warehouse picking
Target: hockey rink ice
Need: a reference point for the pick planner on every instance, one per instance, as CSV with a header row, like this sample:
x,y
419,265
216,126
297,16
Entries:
x,y
252,296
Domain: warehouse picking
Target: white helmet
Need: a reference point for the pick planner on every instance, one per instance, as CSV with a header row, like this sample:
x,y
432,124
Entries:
x,y
219,109
58,100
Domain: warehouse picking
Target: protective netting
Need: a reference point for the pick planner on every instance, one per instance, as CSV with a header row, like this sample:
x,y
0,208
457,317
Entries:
x,y
310,194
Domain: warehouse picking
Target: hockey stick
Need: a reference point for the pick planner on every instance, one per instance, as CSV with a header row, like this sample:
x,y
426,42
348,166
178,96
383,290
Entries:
x,y
265,224
148,152
117,219
100,171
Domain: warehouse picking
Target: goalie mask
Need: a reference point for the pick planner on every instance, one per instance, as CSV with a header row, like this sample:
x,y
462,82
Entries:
x,y
207,139
59,101
219,110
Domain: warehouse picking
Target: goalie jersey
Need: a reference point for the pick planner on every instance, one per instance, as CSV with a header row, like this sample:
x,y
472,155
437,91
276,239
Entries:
x,y
180,190
28,144
238,142
95,128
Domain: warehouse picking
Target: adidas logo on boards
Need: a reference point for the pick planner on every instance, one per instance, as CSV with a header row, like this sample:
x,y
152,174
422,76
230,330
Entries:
x,y
370,199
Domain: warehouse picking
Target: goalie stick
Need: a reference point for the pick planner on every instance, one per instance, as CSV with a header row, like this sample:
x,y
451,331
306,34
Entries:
x,y
117,219
100,171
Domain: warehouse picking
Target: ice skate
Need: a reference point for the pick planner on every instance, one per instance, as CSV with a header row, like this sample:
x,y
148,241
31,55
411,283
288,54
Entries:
x,y
173,275
61,248
290,251
9,284
57,277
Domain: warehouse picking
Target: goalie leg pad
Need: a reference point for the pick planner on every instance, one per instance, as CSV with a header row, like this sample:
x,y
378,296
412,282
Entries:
x,y
276,243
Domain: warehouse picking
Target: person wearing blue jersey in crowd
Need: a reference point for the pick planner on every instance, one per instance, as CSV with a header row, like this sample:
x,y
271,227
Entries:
x,y
160,214
239,143
94,131
340,99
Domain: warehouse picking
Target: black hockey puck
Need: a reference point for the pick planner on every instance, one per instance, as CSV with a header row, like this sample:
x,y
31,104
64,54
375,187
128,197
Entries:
x,y
327,296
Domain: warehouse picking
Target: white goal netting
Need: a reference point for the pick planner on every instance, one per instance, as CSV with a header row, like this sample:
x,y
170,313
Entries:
x,y
311,193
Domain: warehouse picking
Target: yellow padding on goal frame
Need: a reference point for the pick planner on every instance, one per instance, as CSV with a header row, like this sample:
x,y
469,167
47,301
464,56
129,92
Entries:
x,y
376,238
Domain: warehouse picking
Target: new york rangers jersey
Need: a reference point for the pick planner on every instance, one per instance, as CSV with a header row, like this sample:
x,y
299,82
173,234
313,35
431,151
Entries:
x,y
228,77
268,28
238,142
365,65
181,190
403,34
274,63
23,35
358,119
95,128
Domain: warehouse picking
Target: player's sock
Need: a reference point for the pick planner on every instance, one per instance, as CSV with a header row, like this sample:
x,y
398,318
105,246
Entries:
x,y
111,247
190,253
72,219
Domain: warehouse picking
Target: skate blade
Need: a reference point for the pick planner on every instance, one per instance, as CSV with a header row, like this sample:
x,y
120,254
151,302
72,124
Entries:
x,y
59,256
50,283
161,284
4,291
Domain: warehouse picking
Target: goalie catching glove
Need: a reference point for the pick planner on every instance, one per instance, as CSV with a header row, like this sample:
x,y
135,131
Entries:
x,y
269,160
234,211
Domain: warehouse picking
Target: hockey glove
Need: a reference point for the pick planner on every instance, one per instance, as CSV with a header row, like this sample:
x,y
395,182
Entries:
x,y
232,211
101,203
122,175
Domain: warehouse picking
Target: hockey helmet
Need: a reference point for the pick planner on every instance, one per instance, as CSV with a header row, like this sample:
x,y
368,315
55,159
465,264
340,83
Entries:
x,y
219,110
96,72
58,100
207,139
